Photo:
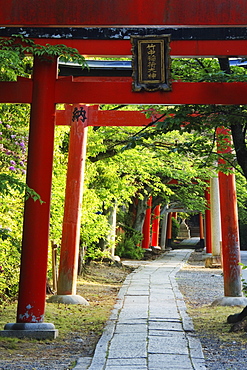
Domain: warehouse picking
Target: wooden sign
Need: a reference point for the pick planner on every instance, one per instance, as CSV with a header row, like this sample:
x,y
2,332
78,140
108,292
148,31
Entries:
x,y
151,63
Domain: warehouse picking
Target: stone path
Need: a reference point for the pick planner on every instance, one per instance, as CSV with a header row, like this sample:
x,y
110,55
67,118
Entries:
x,y
149,328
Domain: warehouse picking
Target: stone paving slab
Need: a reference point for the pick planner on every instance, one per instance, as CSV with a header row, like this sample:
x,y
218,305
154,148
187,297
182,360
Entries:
x,y
141,361
176,344
149,328
130,328
128,367
129,348
169,362
162,326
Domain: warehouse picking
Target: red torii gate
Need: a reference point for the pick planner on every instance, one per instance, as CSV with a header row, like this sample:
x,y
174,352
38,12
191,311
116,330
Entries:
x,y
45,90
92,116
122,13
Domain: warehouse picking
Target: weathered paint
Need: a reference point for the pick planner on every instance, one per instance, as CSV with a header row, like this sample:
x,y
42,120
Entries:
x,y
32,291
229,227
122,12
72,208
124,33
230,238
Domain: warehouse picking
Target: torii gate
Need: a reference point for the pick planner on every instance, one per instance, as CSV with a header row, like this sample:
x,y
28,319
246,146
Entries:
x,y
45,90
91,116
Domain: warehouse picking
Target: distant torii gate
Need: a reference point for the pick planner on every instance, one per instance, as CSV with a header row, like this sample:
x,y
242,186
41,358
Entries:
x,y
45,90
86,116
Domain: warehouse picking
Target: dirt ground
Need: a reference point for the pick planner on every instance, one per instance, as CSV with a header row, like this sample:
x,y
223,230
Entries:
x,y
80,327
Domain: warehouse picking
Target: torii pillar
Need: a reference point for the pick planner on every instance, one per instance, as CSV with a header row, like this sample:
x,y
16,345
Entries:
x,y
233,295
146,225
32,285
201,228
169,231
155,226
208,230
215,259
68,268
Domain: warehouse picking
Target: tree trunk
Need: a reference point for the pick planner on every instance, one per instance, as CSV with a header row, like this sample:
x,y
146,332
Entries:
x,y
238,136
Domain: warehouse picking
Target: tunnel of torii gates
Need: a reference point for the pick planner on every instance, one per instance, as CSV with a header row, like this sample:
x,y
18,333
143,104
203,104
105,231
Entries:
x,y
198,28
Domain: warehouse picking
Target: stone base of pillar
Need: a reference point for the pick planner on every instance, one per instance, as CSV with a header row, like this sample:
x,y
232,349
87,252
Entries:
x,y
29,330
213,262
230,301
68,299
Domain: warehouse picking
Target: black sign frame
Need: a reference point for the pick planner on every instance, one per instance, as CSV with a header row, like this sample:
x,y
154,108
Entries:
x,y
151,63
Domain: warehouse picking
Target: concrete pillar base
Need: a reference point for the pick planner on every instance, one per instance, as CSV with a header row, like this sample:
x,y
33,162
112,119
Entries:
x,y
230,301
68,299
213,262
29,330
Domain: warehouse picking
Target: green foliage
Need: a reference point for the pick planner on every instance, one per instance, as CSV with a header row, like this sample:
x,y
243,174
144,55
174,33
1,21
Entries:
x,y
175,228
205,70
13,136
12,65
95,254
129,246
23,46
58,183
10,263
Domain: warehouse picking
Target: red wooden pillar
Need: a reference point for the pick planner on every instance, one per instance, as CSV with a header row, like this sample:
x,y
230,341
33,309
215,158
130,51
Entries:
x,y
32,289
208,222
169,230
229,225
146,225
72,209
201,230
155,226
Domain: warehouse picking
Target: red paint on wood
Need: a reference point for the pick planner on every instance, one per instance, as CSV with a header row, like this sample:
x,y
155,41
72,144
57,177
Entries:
x,y
63,116
169,230
117,90
155,226
182,48
32,292
19,91
208,231
111,118
229,227
201,228
72,208
146,225
169,226
122,12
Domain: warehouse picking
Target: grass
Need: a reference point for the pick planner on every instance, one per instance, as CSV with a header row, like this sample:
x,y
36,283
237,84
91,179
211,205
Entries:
x,y
79,326
212,321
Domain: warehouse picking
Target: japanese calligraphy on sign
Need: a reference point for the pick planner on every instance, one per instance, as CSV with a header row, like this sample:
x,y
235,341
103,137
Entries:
x,y
151,63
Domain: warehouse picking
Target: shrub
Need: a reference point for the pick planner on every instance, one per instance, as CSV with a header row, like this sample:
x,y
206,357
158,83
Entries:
x,y
129,246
